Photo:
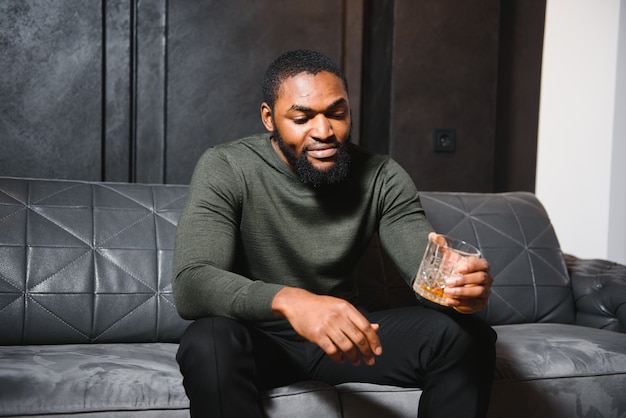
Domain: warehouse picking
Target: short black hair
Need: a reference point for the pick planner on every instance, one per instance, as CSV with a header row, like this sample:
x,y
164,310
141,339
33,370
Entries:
x,y
293,63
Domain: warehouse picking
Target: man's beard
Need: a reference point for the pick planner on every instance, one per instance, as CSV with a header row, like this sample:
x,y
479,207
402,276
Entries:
x,y
307,172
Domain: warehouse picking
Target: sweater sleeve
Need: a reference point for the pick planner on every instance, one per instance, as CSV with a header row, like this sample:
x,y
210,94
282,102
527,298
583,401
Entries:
x,y
403,227
204,280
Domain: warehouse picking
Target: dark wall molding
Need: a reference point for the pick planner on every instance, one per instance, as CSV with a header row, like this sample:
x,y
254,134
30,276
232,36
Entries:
x,y
118,90
519,81
377,73
150,91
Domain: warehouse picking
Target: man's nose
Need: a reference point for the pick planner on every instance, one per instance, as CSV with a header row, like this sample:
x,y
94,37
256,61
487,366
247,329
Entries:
x,y
322,128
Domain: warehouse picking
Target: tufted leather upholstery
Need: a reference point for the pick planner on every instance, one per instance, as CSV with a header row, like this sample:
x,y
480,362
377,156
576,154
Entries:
x,y
90,263
514,233
87,262
600,293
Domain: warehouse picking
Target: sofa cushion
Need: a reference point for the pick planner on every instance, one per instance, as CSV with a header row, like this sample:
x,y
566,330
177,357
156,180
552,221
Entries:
x,y
369,400
558,371
87,262
90,378
514,233
302,399
542,370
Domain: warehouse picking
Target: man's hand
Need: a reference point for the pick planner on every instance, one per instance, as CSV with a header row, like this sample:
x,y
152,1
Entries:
x,y
335,325
470,292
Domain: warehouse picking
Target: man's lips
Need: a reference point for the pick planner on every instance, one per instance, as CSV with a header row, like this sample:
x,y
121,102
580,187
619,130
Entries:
x,y
320,153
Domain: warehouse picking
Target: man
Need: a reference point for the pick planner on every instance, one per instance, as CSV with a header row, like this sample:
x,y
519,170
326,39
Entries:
x,y
274,225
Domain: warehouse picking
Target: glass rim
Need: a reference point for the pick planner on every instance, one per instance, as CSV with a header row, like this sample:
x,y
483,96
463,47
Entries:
x,y
473,250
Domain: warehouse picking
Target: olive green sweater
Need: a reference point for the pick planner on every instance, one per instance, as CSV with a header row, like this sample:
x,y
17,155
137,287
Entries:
x,y
250,227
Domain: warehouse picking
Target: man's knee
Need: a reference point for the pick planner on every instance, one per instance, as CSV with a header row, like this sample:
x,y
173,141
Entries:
x,y
476,343
215,358
466,338
211,337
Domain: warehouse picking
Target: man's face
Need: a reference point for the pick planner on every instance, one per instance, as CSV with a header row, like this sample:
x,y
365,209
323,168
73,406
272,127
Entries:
x,y
310,123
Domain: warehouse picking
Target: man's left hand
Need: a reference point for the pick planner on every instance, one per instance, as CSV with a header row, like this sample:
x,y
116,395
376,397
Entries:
x,y
470,292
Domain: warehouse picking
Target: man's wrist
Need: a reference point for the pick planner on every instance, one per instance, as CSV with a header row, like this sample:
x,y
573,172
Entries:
x,y
283,299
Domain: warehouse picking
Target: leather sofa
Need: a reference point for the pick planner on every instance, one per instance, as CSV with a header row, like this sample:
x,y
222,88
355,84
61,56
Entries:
x,y
88,327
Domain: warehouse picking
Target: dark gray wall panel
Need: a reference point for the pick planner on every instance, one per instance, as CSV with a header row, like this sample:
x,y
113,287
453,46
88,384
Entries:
x,y
444,76
117,80
519,82
217,53
136,90
377,75
50,84
149,90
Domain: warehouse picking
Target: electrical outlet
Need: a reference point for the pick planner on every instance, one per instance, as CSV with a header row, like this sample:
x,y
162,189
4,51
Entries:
x,y
444,140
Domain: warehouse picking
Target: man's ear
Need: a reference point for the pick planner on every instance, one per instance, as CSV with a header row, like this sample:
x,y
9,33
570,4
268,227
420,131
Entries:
x,y
266,117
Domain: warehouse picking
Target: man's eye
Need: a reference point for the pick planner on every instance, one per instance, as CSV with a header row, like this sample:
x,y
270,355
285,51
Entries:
x,y
300,121
338,115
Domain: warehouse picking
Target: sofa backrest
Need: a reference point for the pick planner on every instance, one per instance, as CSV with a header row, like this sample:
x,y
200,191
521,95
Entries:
x,y
514,233
87,262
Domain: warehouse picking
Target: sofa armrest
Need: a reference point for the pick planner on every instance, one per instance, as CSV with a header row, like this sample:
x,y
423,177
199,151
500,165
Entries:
x,y
599,292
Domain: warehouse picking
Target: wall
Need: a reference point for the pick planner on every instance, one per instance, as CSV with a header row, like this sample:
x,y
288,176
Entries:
x,y
135,90
519,80
50,80
617,211
445,76
439,70
581,175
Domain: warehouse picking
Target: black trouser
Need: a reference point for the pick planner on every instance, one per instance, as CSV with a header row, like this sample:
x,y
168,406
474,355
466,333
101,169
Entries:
x,y
450,356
